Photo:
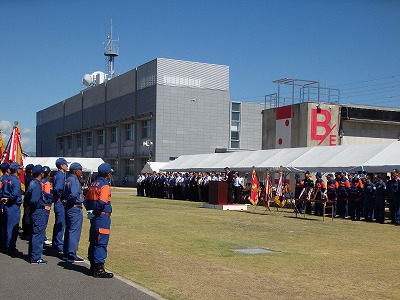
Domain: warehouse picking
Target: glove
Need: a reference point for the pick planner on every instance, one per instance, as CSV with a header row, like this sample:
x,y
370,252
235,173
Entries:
x,y
90,214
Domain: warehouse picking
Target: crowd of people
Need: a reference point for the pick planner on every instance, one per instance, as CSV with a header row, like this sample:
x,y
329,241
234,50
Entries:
x,y
192,186
66,195
354,196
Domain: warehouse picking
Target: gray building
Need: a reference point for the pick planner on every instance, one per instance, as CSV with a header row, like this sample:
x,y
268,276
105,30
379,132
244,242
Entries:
x,y
159,111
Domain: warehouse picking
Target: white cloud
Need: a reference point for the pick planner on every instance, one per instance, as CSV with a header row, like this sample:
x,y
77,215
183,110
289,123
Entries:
x,y
27,136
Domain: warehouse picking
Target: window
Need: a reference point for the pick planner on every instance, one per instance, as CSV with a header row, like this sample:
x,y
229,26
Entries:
x,y
78,140
235,144
235,125
114,165
236,107
69,142
100,134
89,139
129,132
235,116
129,167
147,128
60,143
114,134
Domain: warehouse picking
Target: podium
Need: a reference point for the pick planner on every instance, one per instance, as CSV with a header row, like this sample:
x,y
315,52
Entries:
x,y
218,193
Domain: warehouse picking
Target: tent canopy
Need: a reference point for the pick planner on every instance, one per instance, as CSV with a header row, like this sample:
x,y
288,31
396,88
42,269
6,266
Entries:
x,y
153,166
88,164
382,157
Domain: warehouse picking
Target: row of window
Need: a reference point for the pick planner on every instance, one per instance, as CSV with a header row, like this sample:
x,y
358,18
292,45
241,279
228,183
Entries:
x,y
235,126
129,135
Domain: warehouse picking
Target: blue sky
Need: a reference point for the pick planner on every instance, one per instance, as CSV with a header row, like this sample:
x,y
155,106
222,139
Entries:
x,y
47,46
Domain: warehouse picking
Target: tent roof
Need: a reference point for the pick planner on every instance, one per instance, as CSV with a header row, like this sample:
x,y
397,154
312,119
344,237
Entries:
x,y
152,166
88,164
369,157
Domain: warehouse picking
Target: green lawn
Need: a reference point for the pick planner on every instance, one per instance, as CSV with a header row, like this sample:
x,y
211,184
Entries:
x,y
183,251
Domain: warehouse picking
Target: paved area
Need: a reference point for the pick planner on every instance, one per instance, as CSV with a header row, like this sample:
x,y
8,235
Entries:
x,y
59,280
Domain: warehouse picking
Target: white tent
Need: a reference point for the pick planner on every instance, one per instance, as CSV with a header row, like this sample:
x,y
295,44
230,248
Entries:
x,y
153,166
367,157
88,164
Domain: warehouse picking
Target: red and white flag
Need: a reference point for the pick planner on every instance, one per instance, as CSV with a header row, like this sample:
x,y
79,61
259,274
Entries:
x,y
283,127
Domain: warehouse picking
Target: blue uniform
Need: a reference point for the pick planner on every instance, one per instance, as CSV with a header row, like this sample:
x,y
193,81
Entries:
x,y
59,212
98,199
343,197
369,200
2,216
73,201
380,196
34,199
48,197
12,191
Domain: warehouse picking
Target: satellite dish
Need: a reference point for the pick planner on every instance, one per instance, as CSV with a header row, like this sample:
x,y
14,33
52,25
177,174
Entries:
x,y
147,143
87,80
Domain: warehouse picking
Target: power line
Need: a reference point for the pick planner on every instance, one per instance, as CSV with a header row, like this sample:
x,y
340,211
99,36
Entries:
x,y
393,76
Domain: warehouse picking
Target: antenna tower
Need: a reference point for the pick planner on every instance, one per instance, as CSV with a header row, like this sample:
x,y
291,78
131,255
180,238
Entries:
x,y
111,50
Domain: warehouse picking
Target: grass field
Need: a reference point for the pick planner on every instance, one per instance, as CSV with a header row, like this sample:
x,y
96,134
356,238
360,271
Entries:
x,y
183,251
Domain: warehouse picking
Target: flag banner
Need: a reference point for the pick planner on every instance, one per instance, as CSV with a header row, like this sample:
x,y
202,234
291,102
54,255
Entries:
x,y
283,128
268,190
254,188
280,195
1,145
13,151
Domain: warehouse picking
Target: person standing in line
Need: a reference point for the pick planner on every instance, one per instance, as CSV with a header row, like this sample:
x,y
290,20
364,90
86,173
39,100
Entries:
x,y
331,191
26,226
98,205
229,181
59,210
343,196
393,191
37,207
12,200
308,184
369,199
5,169
47,189
380,195
320,189
73,202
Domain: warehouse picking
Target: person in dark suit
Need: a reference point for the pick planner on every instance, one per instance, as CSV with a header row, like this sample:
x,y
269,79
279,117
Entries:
x,y
229,181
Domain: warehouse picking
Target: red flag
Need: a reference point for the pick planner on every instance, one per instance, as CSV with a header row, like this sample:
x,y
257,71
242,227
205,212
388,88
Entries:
x,y
1,145
254,188
13,151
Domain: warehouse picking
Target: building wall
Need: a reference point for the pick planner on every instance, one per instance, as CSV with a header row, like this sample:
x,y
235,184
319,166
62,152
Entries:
x,y
185,107
251,121
319,124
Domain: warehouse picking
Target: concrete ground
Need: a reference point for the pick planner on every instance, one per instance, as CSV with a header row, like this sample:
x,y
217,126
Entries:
x,y
59,280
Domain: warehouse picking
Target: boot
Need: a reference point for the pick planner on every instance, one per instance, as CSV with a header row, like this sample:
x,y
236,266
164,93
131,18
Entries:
x,y
92,268
101,273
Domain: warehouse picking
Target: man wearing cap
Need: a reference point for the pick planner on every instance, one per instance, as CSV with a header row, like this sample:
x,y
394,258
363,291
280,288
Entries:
x,y
320,188
369,199
356,186
5,169
73,201
12,200
331,191
393,190
26,226
298,187
47,189
308,184
34,199
98,206
59,210
380,195
343,196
